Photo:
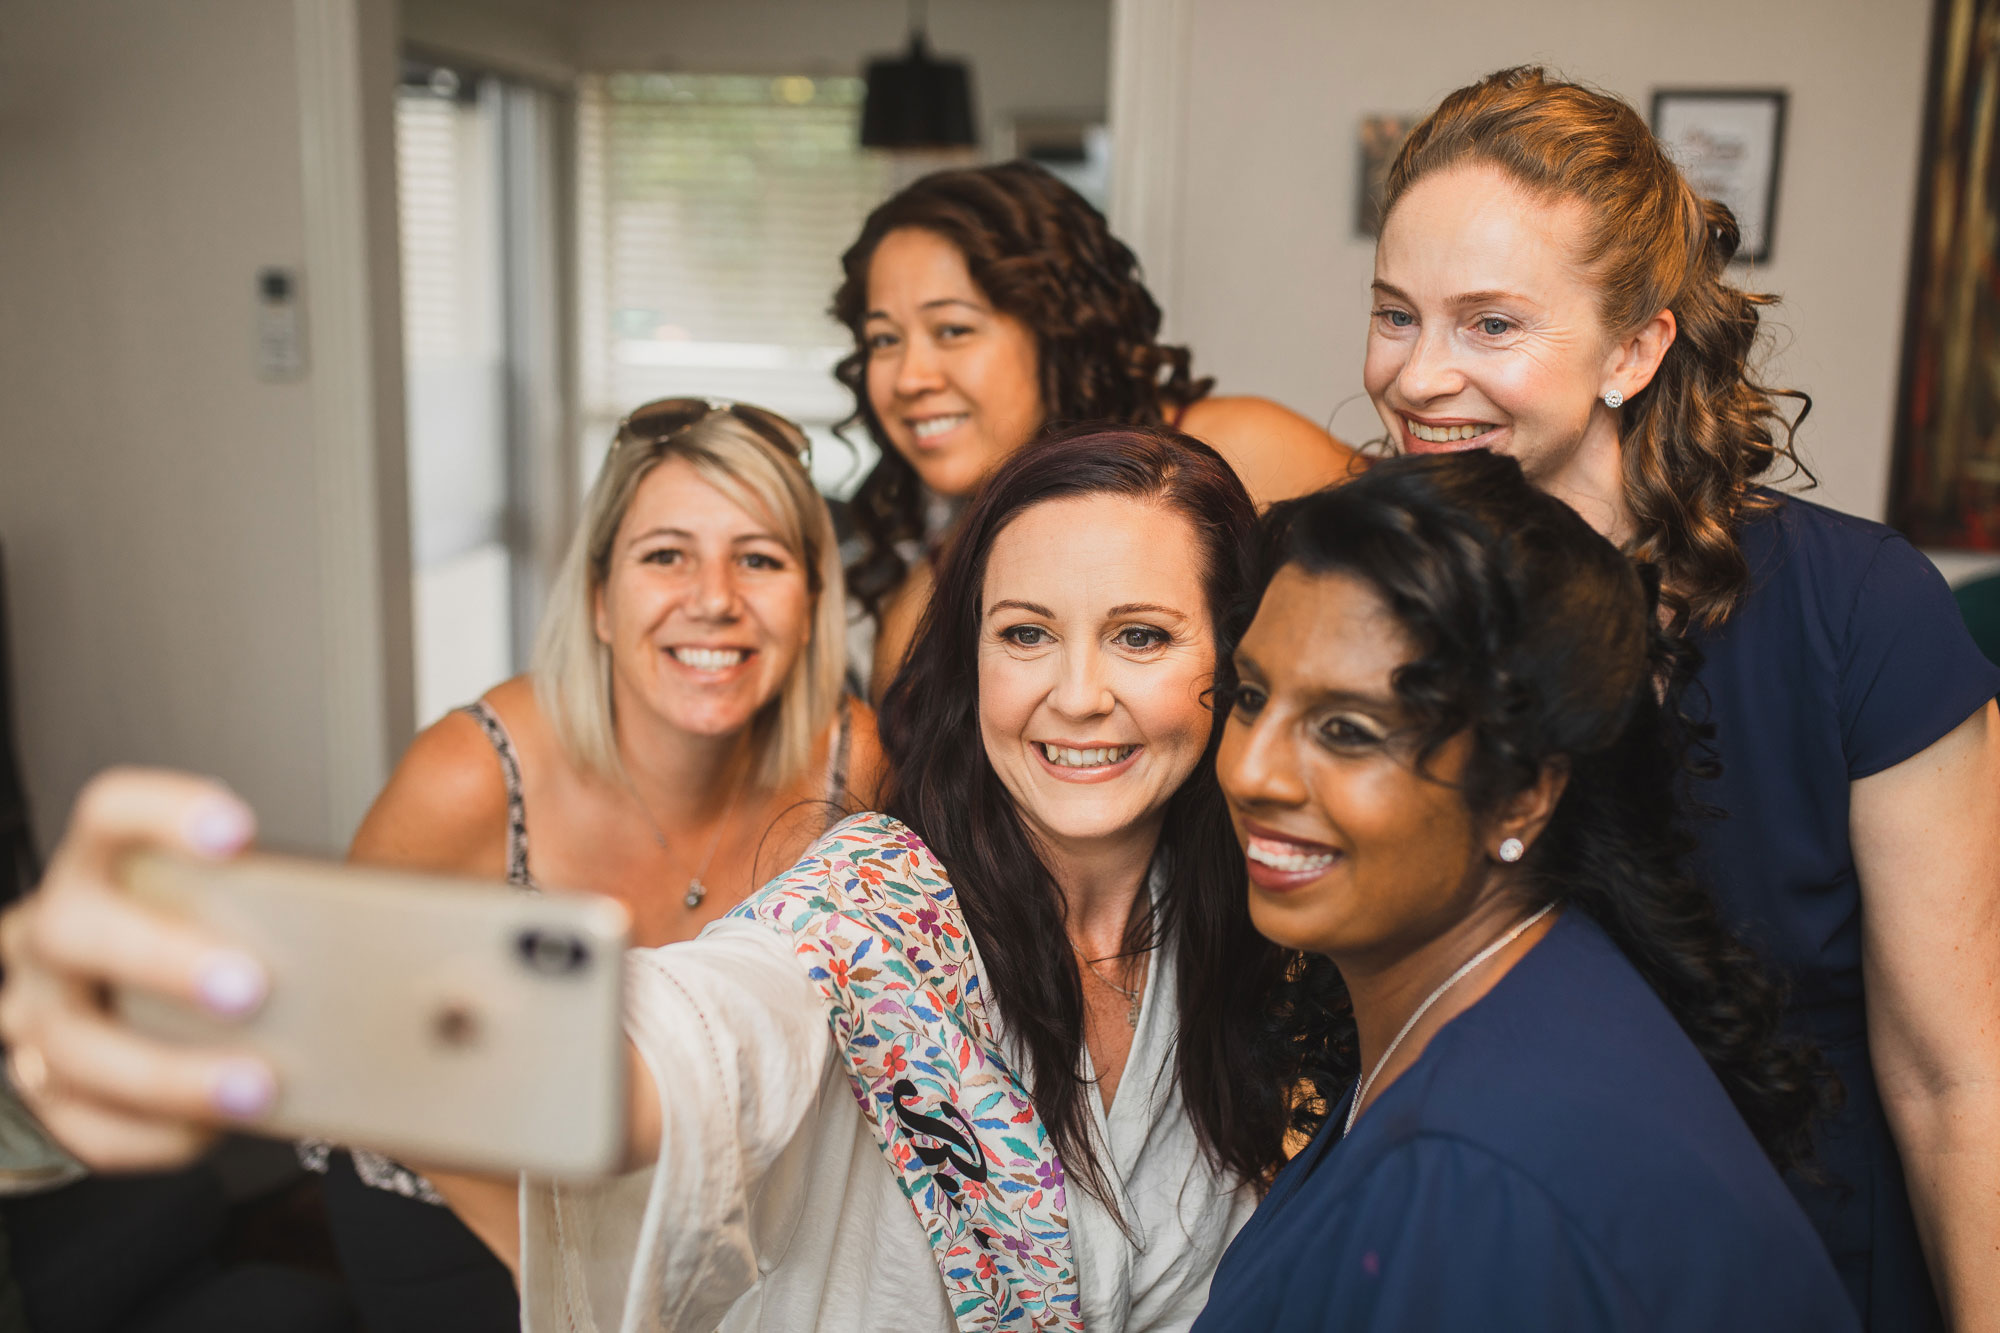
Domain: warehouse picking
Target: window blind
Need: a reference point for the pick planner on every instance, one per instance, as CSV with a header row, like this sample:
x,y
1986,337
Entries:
x,y
712,212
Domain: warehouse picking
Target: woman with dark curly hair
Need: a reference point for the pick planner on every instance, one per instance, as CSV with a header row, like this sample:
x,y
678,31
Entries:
x,y
1547,285
1450,772
985,303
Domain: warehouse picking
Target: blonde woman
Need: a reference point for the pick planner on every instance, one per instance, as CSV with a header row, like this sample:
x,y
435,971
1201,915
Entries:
x,y
680,738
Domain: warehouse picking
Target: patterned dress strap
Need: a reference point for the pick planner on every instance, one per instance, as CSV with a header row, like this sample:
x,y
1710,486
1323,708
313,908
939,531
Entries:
x,y
510,773
872,917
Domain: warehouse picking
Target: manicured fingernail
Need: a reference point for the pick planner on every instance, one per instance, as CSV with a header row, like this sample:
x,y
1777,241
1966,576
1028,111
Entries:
x,y
231,983
219,826
244,1088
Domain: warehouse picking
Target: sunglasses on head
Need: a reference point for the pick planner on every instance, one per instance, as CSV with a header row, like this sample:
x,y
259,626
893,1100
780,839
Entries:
x,y
663,418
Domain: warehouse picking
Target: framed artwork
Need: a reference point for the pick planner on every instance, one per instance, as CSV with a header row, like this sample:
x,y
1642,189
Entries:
x,y
1944,487
1730,143
1380,139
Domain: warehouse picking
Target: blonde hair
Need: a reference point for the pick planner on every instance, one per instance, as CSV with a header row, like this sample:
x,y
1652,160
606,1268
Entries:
x,y
571,668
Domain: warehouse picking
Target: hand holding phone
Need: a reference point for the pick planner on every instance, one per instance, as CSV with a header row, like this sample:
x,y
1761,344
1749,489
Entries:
x,y
117,1100
452,1022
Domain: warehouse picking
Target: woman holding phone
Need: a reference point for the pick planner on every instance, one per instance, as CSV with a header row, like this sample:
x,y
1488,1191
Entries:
x,y
681,737
874,1096
985,303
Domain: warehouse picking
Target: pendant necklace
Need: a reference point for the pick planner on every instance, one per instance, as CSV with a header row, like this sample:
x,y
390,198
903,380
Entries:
x,y
696,890
1132,997
1361,1092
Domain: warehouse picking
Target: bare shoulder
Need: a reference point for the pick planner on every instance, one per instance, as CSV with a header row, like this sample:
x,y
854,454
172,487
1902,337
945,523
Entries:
x,y
866,765
1278,453
902,610
445,806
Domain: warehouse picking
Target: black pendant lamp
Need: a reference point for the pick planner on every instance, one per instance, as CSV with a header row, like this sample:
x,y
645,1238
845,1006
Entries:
x,y
917,100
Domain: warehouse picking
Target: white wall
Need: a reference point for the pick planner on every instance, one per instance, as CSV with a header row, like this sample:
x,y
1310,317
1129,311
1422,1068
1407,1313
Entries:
x,y
160,506
1270,282
1026,55
533,39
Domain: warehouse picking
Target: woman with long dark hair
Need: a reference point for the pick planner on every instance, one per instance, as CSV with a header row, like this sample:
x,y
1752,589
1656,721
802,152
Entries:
x,y
1611,353
986,303
1003,1056
1569,1099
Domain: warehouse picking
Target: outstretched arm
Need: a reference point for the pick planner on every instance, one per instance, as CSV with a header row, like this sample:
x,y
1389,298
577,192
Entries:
x,y
1926,839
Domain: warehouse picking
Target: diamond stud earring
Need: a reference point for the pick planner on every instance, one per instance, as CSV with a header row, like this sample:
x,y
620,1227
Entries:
x,y
1614,399
1512,849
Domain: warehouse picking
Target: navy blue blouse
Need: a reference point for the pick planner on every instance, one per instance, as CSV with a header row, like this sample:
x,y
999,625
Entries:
x,y
1559,1158
1847,656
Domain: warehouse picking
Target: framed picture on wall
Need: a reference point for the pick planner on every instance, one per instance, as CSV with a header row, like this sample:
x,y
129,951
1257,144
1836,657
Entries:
x,y
1944,486
1379,140
1730,143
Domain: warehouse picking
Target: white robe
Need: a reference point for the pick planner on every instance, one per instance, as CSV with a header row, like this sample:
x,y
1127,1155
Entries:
x,y
771,1207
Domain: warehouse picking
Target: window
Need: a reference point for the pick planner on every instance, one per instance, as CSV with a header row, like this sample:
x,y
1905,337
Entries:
x,y
453,351
712,212
485,394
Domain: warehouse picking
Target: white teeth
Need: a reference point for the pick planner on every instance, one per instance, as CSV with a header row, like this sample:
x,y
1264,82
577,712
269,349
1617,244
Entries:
x,y
1096,757
1445,434
1282,856
708,659
925,429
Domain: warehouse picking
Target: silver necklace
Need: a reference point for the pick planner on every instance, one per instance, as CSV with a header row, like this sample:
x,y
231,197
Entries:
x,y
1132,997
1361,1093
696,890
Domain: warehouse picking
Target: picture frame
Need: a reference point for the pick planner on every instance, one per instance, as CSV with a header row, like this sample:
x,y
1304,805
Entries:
x,y
1730,143
1378,138
1944,481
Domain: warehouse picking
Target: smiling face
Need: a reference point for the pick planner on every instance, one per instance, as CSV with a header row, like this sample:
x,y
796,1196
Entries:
x,y
703,607
1486,333
1352,851
954,382
1095,653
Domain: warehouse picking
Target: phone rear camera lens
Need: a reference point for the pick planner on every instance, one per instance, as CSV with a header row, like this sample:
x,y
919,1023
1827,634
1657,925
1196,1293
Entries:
x,y
552,952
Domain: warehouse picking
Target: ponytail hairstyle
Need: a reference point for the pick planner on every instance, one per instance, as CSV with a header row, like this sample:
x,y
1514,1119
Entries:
x,y
1039,252
1696,439
1540,642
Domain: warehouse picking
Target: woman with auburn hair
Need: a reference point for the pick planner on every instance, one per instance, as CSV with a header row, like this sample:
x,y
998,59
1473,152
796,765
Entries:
x,y
986,302
1548,286
1568,1095
680,738
874,1096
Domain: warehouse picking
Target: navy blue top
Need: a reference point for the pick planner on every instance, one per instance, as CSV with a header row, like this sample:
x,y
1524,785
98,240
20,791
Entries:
x,y
1559,1158
1847,656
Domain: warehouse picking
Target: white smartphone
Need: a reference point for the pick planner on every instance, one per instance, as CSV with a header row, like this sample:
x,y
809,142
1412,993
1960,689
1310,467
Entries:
x,y
453,1023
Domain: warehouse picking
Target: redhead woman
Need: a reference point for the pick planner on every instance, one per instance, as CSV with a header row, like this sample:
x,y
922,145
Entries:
x,y
680,738
1569,1099
1548,286
874,1096
985,303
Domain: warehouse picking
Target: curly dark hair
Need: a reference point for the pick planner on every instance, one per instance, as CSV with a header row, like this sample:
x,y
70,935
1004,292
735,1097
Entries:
x,y
1235,1062
1696,439
1042,254
1536,637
